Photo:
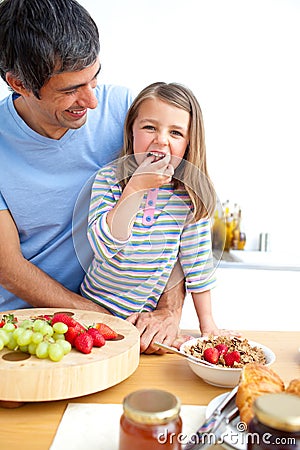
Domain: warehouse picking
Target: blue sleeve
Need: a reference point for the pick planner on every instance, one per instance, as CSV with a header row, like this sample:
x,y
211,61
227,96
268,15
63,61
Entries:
x,y
3,204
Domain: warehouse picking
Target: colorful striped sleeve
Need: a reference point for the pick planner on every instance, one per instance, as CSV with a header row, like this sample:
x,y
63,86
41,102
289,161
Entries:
x,y
105,194
195,256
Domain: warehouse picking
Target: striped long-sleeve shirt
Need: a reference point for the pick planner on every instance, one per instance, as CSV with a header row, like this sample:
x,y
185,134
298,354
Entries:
x,y
129,276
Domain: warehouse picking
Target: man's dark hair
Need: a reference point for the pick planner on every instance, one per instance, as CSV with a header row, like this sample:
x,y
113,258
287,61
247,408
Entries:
x,y
39,38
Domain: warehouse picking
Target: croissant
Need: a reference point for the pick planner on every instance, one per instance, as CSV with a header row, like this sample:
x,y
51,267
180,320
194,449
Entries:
x,y
256,379
294,387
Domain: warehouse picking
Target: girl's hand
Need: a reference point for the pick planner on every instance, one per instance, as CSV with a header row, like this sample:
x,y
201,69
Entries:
x,y
220,332
152,174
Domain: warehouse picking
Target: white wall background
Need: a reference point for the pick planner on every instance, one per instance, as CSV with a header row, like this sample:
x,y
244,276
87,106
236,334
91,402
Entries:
x,y
241,59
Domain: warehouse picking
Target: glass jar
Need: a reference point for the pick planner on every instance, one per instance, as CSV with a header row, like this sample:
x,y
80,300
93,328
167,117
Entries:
x,y
276,423
151,417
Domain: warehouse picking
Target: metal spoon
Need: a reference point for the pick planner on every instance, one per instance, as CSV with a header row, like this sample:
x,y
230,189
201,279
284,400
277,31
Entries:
x,y
185,355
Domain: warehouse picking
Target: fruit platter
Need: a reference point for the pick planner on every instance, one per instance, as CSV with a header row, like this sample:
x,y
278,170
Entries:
x,y
53,354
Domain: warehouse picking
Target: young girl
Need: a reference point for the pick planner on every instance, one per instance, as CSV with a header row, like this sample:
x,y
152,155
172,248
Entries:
x,y
152,207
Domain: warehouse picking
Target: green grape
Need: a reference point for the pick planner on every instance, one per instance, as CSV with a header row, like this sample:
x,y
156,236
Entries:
x,y
25,338
9,327
65,345
32,348
56,352
58,337
18,332
42,350
36,337
27,323
47,330
23,348
60,328
1,344
4,335
38,324
12,343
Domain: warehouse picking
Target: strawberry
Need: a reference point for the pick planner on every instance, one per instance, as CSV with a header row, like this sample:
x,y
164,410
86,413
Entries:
x,y
222,349
232,357
45,317
64,318
98,339
8,318
106,331
84,342
72,333
211,355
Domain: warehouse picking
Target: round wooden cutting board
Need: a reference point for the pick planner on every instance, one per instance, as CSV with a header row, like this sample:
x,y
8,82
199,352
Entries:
x,y
77,374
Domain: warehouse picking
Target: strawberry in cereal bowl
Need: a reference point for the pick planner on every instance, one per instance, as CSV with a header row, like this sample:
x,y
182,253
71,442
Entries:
x,y
228,355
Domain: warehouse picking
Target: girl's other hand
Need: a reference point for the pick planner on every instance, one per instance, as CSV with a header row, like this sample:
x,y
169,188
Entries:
x,y
220,332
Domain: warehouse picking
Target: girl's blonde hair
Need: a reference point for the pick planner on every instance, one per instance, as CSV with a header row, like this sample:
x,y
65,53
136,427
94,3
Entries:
x,y
192,171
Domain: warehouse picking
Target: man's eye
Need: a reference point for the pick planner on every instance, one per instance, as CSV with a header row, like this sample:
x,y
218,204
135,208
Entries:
x,y
71,92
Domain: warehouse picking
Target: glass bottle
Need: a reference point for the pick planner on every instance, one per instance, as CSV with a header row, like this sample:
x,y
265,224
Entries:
x,y
235,228
150,421
229,229
276,423
242,234
218,231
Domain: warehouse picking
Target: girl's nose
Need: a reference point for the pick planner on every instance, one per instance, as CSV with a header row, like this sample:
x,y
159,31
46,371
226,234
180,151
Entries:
x,y
162,138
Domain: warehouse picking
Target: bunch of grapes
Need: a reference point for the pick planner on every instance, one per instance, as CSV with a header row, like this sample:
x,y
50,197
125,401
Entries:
x,y
36,337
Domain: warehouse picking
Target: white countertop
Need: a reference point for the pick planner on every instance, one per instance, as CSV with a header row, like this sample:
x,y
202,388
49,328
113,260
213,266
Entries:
x,y
244,259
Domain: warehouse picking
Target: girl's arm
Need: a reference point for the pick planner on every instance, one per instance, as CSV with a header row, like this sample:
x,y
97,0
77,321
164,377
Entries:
x,y
202,303
120,219
149,175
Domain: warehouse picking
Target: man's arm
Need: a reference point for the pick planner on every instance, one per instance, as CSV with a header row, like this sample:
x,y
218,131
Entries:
x,y
27,281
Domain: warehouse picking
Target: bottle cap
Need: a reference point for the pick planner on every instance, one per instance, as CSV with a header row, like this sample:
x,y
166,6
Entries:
x,y
279,411
151,406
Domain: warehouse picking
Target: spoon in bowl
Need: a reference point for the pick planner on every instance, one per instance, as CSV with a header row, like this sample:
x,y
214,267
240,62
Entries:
x,y
185,355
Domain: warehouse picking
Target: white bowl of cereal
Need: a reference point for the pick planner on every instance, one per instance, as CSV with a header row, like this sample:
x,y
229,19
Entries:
x,y
228,354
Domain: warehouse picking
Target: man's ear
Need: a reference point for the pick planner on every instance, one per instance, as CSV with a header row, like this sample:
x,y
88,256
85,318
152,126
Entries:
x,y
16,84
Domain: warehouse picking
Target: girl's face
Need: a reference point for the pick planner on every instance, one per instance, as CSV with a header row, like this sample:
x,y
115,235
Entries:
x,y
160,129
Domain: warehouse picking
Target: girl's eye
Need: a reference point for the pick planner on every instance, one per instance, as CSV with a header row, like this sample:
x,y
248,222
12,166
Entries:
x,y
149,127
176,133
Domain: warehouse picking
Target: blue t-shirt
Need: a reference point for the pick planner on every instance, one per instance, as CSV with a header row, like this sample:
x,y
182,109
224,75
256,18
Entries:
x,y
45,184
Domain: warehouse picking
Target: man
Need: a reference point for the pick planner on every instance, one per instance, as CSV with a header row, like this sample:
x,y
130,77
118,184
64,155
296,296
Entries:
x,y
57,128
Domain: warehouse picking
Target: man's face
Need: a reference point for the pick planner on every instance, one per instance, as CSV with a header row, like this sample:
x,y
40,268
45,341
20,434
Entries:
x,y
63,104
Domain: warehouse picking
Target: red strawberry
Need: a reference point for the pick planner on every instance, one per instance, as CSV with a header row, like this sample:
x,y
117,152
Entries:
x,y
232,357
211,355
45,317
72,333
64,318
222,348
8,318
106,331
84,342
98,339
